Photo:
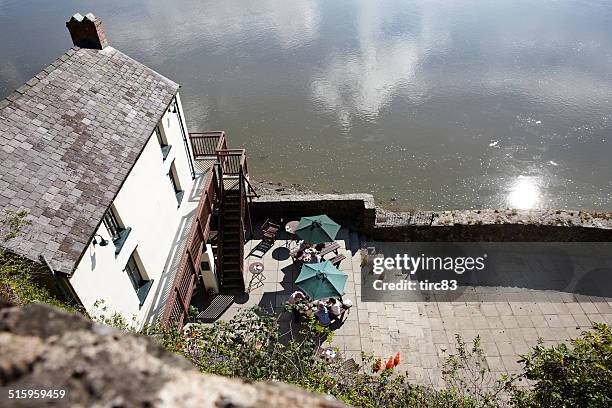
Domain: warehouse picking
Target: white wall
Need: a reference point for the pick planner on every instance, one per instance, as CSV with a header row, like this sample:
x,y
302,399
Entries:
x,y
147,204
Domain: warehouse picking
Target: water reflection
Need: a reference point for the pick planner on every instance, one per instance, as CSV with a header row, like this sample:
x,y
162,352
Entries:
x,y
435,104
525,193
361,82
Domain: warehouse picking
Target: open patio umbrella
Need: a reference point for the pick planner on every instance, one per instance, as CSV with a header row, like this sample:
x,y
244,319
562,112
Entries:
x,y
321,280
317,229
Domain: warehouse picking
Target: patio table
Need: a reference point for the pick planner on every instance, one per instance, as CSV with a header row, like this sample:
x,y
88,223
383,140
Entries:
x,y
256,269
309,256
290,228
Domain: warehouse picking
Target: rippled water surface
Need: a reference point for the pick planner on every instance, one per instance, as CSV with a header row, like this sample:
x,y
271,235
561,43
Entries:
x,y
435,104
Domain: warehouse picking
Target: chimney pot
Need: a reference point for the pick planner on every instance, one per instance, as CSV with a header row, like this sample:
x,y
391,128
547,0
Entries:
x,y
87,32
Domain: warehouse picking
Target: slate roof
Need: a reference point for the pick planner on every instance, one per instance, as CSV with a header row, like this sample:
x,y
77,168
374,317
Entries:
x,y
68,139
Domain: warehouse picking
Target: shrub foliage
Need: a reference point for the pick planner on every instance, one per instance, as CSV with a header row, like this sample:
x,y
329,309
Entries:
x,y
574,375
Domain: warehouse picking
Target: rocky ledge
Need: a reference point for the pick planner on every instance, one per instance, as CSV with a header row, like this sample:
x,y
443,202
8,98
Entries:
x,y
44,348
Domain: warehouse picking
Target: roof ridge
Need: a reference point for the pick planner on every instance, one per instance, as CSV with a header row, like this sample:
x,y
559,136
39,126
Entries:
x,y
17,93
159,74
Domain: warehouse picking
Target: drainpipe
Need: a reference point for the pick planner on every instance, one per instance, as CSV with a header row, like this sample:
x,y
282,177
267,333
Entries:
x,y
189,158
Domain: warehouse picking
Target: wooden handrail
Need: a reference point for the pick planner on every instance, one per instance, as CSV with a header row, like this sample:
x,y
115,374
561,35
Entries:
x,y
230,162
207,143
177,304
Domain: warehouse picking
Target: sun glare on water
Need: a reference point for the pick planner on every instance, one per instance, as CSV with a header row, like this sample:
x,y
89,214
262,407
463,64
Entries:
x,y
524,193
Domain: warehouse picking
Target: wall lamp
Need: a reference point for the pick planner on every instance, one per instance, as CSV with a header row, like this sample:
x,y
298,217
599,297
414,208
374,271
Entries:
x,y
103,242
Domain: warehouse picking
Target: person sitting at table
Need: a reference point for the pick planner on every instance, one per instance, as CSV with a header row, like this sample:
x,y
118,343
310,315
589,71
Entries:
x,y
319,247
299,252
335,309
322,314
296,297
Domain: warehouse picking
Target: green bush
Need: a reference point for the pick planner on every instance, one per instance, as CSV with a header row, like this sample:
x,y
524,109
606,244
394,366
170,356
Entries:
x,y
252,346
16,273
574,375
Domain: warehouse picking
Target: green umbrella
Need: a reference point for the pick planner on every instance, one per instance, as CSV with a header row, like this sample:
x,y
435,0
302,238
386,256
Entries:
x,y
317,229
321,280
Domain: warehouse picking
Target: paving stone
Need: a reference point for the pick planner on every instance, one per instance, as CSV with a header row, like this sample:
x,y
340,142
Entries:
x,y
567,321
490,349
505,348
553,321
495,364
538,321
511,364
509,322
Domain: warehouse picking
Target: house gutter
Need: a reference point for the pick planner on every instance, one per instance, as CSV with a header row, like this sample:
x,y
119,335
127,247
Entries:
x,y
189,157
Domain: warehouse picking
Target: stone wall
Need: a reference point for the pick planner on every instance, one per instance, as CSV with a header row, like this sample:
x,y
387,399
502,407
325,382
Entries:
x,y
42,347
360,212
355,210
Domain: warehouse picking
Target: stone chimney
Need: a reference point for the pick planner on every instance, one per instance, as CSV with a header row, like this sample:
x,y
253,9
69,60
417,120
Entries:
x,y
87,32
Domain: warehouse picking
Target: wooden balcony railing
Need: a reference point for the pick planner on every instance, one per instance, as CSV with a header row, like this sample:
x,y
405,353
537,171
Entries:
x,y
177,304
230,163
206,144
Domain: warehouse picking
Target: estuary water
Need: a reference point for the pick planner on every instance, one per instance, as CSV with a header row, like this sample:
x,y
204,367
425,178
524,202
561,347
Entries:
x,y
426,104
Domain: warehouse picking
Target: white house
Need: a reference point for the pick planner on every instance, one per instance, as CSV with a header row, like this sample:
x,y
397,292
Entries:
x,y
96,148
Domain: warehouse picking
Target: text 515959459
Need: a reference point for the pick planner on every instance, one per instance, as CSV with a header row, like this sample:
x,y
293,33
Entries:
x,y
33,393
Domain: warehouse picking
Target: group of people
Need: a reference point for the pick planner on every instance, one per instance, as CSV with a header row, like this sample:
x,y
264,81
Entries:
x,y
308,253
326,311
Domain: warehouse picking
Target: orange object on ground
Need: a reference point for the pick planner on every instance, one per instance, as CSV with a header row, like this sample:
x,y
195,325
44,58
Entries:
x,y
390,363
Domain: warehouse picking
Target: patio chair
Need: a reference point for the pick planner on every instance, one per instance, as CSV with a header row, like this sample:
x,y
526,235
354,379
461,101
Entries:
x,y
269,231
336,260
330,247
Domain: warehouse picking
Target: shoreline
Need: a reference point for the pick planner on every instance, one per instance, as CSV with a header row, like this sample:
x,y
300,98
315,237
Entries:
x,y
276,188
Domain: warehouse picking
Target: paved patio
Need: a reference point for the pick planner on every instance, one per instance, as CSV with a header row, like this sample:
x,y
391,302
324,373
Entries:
x,y
424,332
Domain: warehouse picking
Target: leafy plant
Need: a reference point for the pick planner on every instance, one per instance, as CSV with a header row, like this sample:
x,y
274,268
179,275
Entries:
x,y
17,284
11,223
253,346
574,375
469,377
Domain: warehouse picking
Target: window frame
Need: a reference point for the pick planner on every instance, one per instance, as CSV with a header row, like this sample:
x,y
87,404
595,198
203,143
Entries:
x,y
162,140
176,183
138,277
115,228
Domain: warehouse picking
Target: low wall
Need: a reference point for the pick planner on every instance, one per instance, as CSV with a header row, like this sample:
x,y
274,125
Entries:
x,y
354,210
494,225
359,212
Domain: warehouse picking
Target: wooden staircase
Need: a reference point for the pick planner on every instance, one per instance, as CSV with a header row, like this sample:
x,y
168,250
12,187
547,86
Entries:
x,y
232,227
236,192
223,207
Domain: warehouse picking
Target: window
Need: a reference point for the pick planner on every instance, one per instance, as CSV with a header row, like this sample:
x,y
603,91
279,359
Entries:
x,y
141,284
176,185
163,142
116,230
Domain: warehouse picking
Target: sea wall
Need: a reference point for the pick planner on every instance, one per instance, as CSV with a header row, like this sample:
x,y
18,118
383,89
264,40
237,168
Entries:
x,y
359,211
356,210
